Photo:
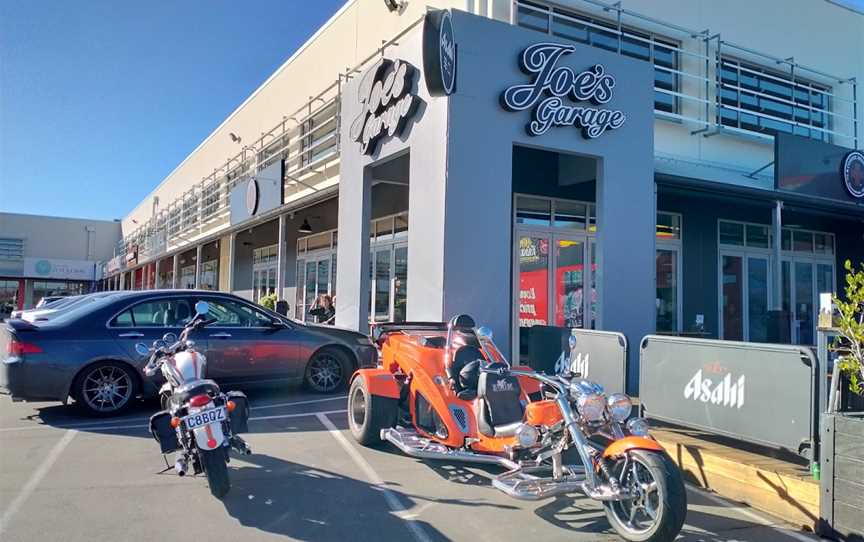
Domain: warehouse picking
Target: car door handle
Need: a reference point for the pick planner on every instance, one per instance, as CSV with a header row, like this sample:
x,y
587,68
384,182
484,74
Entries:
x,y
221,336
131,335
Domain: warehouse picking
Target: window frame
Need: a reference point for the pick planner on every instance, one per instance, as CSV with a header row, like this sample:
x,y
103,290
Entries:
x,y
130,306
243,303
675,245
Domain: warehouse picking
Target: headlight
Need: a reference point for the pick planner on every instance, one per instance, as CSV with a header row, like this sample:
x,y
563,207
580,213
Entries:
x,y
619,406
526,435
638,427
591,406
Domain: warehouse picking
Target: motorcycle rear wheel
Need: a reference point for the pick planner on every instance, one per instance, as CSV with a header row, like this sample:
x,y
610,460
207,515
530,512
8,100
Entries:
x,y
216,470
659,511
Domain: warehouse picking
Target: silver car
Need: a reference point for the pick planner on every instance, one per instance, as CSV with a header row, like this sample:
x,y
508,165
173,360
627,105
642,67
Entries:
x,y
88,352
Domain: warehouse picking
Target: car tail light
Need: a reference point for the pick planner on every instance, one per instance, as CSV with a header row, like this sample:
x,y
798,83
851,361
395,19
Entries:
x,y
18,348
199,400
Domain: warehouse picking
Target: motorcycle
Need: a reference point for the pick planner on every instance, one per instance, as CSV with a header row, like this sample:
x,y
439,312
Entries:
x,y
198,420
445,392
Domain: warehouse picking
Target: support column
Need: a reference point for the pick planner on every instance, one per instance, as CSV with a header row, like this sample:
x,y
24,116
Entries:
x,y
198,266
777,282
232,240
175,272
352,303
156,275
280,260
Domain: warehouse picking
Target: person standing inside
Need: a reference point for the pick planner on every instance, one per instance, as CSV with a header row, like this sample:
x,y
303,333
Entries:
x,y
323,310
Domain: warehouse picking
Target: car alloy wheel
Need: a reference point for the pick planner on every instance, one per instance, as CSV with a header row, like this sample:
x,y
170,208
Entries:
x,y
325,372
106,389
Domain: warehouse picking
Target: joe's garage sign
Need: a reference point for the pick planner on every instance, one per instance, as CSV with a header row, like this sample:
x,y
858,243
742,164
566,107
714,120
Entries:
x,y
387,103
551,84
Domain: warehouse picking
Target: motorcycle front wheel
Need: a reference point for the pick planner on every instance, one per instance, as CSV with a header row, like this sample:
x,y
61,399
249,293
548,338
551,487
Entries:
x,y
658,511
216,469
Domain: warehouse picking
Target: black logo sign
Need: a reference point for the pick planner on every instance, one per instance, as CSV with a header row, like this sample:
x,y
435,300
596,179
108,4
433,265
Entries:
x,y
852,171
385,94
551,83
252,196
439,53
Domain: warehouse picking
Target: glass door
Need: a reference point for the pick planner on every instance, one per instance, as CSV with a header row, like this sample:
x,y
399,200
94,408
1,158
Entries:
x,y
389,283
803,281
555,286
745,296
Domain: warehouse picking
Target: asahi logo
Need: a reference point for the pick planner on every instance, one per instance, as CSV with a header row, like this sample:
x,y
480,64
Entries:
x,y
387,103
576,363
503,385
551,83
717,390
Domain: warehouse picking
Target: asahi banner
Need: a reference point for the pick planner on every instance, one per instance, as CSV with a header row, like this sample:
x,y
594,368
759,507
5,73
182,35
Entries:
x,y
387,99
731,388
556,93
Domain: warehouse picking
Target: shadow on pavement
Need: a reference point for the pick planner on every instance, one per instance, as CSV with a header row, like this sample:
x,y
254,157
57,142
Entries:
x,y
307,503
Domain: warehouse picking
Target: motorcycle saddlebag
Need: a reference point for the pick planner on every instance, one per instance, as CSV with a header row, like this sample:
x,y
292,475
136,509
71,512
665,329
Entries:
x,y
165,435
240,417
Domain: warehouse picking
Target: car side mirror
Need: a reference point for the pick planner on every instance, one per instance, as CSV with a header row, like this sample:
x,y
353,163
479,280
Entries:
x,y
278,324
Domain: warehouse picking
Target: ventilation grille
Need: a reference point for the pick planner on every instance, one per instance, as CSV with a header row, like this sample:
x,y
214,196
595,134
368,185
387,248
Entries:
x,y
461,417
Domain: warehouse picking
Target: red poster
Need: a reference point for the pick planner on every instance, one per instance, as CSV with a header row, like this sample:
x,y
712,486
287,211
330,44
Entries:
x,y
533,298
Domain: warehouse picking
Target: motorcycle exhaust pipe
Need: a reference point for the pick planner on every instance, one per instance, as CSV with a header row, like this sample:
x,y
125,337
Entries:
x,y
180,466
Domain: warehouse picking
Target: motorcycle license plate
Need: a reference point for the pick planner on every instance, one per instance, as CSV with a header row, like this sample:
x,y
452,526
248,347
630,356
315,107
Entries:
x,y
205,417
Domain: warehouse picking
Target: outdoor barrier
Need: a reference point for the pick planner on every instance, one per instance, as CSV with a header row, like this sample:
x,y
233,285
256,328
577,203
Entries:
x,y
761,393
600,356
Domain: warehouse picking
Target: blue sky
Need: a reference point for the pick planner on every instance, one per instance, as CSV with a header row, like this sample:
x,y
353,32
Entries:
x,y
100,100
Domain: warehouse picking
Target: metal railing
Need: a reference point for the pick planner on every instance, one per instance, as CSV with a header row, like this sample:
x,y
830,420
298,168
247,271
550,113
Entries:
x,y
307,141
699,57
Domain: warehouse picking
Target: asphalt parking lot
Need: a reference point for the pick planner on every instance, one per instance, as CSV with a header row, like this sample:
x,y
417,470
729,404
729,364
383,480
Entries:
x,y
66,477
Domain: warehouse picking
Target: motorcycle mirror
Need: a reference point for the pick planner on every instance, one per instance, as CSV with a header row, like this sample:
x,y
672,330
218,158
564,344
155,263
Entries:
x,y
202,308
142,349
485,333
169,338
160,344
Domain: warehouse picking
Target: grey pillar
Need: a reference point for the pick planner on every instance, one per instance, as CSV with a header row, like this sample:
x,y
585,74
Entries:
x,y
156,283
777,282
176,268
198,266
280,259
352,301
232,238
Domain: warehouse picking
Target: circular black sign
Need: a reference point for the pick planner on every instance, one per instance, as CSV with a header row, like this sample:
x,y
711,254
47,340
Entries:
x,y
439,53
252,196
852,171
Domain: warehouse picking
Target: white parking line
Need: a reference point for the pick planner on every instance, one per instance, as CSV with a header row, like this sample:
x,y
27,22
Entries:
x,y
392,500
106,425
35,480
762,520
309,402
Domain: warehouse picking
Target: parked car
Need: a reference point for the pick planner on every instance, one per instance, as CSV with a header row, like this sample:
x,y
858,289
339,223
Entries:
x,y
56,308
88,353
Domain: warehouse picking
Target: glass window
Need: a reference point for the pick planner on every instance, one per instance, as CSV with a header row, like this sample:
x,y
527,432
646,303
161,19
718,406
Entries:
x,y
401,225
603,34
321,240
758,236
156,313
668,226
757,302
382,285
570,215
802,241
384,229
824,243
731,233
733,296
787,240
776,100
667,290
533,211
229,313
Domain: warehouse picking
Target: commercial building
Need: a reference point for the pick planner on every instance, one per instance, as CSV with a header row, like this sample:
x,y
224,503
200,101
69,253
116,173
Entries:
x,y
647,166
45,255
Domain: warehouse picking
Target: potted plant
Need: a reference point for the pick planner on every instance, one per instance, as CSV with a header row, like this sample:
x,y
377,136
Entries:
x,y
268,301
842,429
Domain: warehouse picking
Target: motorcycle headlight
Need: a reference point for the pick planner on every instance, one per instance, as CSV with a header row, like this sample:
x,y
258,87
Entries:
x,y
619,406
591,406
527,435
638,427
